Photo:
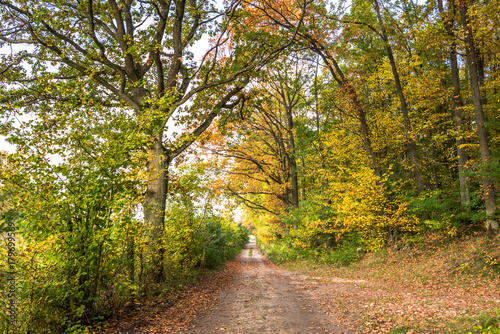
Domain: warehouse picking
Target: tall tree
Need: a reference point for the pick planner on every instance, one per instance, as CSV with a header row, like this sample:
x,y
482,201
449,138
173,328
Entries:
x,y
472,62
410,143
287,80
261,175
448,18
136,56
314,34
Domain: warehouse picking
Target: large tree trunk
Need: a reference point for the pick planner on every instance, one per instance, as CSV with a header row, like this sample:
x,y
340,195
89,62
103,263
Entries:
x,y
489,192
457,106
410,143
154,208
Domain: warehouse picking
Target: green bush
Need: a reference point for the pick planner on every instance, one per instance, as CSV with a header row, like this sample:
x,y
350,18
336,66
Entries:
x,y
279,252
221,242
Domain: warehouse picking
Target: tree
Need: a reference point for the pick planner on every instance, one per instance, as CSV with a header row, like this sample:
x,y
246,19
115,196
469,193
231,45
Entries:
x,y
134,56
260,177
472,62
314,34
265,142
287,80
402,99
448,21
75,185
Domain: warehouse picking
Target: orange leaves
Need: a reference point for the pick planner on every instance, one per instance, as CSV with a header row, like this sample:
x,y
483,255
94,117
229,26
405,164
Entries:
x,y
269,15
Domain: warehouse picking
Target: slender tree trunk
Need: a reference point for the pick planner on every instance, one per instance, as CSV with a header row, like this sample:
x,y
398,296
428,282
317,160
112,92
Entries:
x,y
130,257
489,192
410,143
293,160
141,269
366,137
318,128
154,207
457,106
460,141
435,182
305,185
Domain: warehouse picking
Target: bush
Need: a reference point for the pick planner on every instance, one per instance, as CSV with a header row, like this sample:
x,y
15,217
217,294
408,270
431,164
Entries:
x,y
199,242
279,252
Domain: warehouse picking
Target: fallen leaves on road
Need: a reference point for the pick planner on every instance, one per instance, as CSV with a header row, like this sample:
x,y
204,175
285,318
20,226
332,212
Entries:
x,y
175,312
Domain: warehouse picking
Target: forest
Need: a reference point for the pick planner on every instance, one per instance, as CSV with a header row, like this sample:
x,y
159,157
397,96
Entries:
x,y
149,138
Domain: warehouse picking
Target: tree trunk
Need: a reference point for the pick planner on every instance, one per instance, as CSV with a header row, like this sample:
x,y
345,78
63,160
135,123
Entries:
x,y
404,108
366,137
489,192
305,184
457,107
292,159
435,182
324,179
154,208
130,257
460,141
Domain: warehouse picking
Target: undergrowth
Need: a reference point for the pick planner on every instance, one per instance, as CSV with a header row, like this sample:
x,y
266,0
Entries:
x,y
487,323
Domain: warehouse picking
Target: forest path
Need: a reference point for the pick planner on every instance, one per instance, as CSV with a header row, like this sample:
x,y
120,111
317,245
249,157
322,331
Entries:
x,y
265,299
250,295
415,291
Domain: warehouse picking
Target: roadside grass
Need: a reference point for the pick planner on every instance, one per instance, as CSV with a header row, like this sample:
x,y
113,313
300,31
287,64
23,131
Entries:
x,y
437,260
486,323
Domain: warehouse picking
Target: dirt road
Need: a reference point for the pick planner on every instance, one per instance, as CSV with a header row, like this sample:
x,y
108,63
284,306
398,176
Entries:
x,y
265,299
426,290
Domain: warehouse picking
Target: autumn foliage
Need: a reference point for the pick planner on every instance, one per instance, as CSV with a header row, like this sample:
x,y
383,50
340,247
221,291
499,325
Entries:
x,y
327,129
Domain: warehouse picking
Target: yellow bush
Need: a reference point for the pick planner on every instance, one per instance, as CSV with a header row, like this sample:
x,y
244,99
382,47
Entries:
x,y
362,205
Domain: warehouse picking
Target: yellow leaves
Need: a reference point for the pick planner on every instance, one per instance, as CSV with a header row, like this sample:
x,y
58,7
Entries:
x,y
361,205
88,330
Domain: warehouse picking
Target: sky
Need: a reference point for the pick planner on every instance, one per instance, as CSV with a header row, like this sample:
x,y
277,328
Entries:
x,y
4,146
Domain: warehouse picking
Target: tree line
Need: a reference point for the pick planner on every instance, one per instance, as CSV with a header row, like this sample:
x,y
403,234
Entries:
x,y
376,126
